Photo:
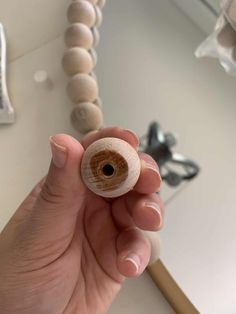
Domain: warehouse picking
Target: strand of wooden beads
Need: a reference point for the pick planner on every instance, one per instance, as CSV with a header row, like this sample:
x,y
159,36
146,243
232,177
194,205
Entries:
x,y
110,167
81,38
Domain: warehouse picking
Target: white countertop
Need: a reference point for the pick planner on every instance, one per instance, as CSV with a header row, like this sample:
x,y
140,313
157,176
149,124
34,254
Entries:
x,y
146,71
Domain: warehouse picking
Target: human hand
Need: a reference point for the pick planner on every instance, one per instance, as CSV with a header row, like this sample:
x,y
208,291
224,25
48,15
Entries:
x,y
67,250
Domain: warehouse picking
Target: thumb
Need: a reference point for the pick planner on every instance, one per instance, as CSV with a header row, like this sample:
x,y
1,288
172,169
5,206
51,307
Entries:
x,y
62,196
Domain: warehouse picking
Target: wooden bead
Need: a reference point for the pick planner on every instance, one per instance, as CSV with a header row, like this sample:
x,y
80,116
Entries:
x,y
96,36
101,3
82,88
94,57
42,79
79,35
86,117
81,11
110,167
227,36
77,60
99,16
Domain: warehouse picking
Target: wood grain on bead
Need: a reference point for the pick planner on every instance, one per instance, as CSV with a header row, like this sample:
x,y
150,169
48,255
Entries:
x,y
110,167
77,60
82,11
79,35
227,36
82,88
42,79
86,117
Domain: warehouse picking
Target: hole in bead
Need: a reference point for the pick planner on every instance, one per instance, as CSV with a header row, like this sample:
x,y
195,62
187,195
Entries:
x,y
108,170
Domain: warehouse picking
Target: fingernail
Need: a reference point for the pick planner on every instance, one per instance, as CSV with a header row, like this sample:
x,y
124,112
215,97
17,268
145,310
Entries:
x,y
59,153
134,260
156,209
151,167
135,137
154,169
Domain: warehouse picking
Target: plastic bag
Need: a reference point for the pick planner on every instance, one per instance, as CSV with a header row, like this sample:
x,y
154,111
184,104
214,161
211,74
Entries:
x,y
221,44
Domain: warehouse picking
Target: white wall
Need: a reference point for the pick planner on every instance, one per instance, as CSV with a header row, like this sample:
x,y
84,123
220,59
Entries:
x,y
147,71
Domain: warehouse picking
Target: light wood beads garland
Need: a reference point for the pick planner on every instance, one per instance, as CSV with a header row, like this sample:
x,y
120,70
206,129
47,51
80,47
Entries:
x,y
110,167
81,37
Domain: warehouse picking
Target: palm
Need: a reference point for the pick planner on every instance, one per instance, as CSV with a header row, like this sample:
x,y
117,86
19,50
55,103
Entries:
x,y
92,257
69,250
82,276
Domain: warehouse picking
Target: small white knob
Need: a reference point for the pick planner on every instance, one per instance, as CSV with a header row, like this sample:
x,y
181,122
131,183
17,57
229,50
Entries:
x,y
42,78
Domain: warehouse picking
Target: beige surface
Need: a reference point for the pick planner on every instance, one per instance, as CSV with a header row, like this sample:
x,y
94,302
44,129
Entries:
x,y
40,113
47,20
25,154
140,296
195,99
